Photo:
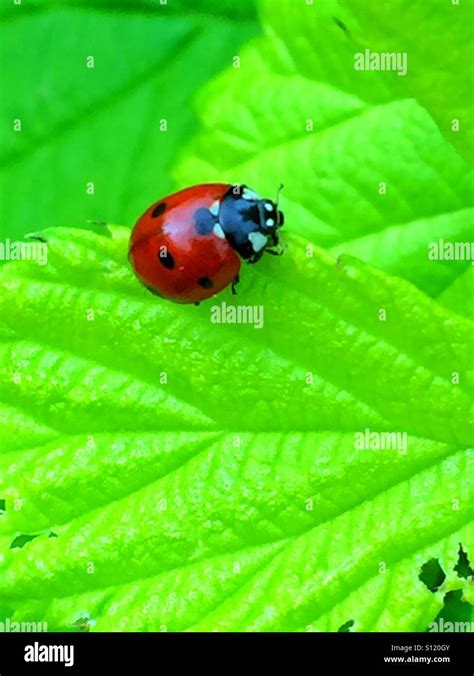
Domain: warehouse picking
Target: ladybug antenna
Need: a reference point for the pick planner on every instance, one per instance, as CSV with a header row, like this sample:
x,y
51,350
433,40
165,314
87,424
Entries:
x,y
278,194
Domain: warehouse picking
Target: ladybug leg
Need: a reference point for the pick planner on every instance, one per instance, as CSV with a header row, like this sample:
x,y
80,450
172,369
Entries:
x,y
254,258
234,285
198,303
278,250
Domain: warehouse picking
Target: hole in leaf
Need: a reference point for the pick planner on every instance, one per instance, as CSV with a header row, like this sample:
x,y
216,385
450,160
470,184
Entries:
x,y
82,624
21,540
454,610
463,567
432,575
346,626
3,505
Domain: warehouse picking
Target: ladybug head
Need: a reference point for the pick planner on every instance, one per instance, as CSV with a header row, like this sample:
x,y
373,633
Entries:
x,y
271,217
249,222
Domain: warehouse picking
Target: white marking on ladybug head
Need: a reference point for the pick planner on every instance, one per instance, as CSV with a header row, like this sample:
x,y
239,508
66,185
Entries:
x,y
217,230
258,241
248,194
214,208
270,222
268,206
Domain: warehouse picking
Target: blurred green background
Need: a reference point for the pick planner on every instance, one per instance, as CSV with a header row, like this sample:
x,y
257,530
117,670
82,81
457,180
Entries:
x,y
102,124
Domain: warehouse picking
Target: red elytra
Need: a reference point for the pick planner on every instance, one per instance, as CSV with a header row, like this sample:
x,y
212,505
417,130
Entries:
x,y
188,246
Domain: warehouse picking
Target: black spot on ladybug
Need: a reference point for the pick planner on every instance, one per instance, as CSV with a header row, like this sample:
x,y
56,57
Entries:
x,y
205,282
204,221
166,259
158,210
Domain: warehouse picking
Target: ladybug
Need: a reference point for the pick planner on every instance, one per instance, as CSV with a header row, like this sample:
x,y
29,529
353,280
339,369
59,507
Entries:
x,y
188,246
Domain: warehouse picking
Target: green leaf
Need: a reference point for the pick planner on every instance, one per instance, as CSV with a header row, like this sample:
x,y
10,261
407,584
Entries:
x,y
206,476
460,295
102,125
437,37
366,170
